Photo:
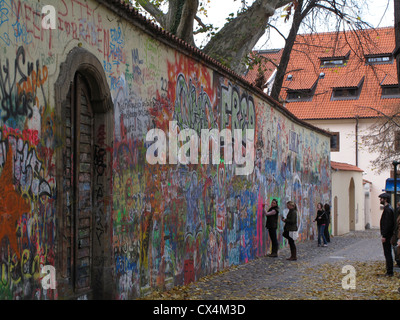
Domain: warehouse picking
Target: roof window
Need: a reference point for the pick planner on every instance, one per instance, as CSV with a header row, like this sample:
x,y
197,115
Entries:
x,y
390,91
335,61
299,95
347,93
379,59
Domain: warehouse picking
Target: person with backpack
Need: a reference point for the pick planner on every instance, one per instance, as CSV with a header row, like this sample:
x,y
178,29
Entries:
x,y
321,220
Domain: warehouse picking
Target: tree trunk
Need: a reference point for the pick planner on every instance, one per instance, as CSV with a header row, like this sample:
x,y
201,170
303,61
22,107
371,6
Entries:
x,y
185,27
238,37
281,70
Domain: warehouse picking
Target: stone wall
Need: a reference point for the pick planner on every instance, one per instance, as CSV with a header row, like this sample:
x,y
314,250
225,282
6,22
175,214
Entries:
x,y
87,187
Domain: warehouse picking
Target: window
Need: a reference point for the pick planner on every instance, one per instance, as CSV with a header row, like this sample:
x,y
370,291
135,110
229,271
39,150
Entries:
x,y
347,93
335,141
333,63
379,59
299,95
392,91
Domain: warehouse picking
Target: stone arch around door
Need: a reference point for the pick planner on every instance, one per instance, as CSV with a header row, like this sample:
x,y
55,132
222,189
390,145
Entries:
x,y
85,128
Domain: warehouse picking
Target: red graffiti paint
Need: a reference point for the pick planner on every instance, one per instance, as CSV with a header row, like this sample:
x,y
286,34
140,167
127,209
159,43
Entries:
x,y
189,271
12,205
30,135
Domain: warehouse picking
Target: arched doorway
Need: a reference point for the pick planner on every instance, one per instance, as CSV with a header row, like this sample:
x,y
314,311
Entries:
x,y
352,209
84,110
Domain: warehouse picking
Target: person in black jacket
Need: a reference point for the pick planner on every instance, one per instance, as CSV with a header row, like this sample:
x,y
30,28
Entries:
x,y
290,225
387,229
272,225
396,235
327,209
321,219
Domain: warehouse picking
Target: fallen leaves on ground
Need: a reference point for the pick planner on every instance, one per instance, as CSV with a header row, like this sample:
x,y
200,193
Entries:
x,y
321,282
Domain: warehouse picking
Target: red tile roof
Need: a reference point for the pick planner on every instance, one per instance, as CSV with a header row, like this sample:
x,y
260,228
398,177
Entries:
x,y
389,80
305,65
340,166
300,82
270,59
346,81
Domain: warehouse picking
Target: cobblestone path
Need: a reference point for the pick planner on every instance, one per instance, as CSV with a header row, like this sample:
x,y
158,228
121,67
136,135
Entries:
x,y
319,274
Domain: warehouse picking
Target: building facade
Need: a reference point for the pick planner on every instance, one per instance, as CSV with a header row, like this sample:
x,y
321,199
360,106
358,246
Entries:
x,y
345,82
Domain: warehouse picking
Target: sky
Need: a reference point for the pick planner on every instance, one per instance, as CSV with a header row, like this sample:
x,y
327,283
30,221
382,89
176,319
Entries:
x,y
379,13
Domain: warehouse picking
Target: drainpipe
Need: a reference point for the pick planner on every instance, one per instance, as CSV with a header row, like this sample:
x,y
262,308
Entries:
x,y
356,141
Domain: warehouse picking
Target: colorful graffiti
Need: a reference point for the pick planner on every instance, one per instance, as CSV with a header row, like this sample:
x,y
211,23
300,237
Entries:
x,y
167,224
12,208
20,89
190,221
27,217
27,206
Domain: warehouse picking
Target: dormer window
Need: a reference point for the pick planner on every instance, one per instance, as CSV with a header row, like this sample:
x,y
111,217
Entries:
x,y
390,87
391,91
299,95
336,61
301,88
347,92
379,59
332,63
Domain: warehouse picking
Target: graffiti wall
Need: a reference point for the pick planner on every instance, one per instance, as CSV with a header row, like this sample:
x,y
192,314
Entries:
x,y
174,206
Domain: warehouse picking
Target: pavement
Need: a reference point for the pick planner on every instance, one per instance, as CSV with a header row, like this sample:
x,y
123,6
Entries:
x,y
273,278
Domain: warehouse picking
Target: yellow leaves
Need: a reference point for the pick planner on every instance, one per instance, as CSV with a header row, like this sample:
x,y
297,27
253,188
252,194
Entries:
x,y
327,282
301,282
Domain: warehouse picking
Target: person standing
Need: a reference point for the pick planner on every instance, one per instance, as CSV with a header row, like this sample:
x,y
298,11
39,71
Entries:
x,y
387,229
272,225
396,236
327,209
321,223
290,225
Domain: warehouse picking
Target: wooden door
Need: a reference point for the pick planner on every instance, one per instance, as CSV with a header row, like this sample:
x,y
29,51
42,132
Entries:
x,y
83,186
79,165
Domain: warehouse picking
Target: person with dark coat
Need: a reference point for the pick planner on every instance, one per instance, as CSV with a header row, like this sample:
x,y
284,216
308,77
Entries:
x,y
291,225
272,225
396,239
321,219
327,209
387,226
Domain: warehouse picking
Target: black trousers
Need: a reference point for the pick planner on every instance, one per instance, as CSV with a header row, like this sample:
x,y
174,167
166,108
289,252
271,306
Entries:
x,y
387,251
326,232
274,240
292,245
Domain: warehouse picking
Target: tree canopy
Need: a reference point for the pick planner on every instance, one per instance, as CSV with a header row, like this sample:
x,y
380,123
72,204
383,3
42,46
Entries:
x,y
232,44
